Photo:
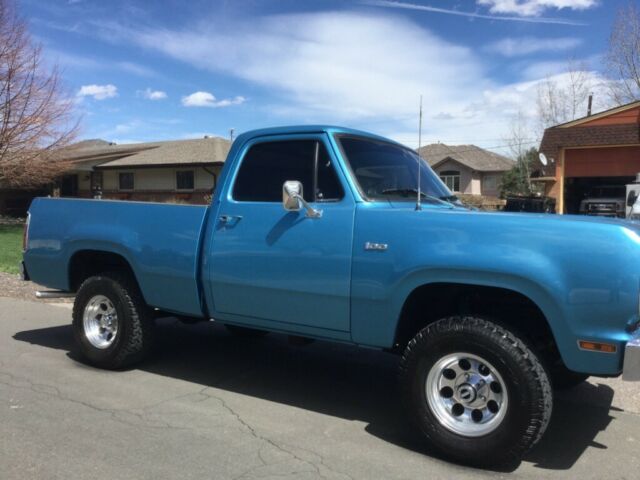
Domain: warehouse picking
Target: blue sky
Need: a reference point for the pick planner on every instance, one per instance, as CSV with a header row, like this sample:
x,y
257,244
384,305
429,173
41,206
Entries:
x,y
144,71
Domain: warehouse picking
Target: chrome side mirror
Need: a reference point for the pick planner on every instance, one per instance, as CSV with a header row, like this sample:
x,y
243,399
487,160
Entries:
x,y
293,200
291,194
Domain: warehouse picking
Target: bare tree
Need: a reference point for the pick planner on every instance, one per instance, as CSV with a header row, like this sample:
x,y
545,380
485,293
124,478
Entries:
x,y
564,98
36,117
623,55
519,142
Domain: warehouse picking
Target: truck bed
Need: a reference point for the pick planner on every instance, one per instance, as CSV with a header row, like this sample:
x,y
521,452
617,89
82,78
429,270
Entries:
x,y
161,243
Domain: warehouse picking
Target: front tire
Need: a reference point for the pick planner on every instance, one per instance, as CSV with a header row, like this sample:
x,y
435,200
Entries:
x,y
112,325
478,394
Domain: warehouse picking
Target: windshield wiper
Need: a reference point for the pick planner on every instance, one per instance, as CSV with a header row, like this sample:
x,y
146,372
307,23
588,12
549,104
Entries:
x,y
450,198
414,191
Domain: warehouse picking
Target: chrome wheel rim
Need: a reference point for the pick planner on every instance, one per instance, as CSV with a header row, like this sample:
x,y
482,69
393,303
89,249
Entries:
x,y
466,394
100,321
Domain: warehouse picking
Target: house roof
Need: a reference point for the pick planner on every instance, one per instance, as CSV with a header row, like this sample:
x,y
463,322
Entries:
x,y
614,127
596,116
187,152
599,135
471,156
102,154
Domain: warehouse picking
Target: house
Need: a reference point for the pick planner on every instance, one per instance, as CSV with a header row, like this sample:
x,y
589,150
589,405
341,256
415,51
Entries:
x,y
602,149
467,169
183,171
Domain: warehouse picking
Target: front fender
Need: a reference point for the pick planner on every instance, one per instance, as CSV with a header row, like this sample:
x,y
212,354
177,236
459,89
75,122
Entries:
x,y
379,309
569,268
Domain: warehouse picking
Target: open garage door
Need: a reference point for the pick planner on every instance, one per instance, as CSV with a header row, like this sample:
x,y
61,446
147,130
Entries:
x,y
598,193
602,162
596,177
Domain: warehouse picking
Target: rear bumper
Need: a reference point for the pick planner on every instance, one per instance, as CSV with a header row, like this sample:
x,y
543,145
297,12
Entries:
x,y
631,367
23,272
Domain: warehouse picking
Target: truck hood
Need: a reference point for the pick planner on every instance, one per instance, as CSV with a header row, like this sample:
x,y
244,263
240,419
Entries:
x,y
536,228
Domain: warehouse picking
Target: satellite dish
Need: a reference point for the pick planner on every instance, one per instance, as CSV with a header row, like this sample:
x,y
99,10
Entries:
x,y
543,159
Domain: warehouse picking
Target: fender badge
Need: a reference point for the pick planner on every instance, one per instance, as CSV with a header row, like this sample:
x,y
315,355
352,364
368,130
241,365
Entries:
x,y
375,246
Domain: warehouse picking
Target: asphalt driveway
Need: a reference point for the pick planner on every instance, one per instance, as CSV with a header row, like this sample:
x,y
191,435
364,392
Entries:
x,y
210,405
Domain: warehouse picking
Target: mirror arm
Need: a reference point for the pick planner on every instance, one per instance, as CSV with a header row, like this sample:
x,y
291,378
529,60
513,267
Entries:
x,y
311,212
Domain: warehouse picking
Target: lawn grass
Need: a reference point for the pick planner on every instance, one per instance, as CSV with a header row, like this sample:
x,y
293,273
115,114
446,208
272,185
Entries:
x,y
10,248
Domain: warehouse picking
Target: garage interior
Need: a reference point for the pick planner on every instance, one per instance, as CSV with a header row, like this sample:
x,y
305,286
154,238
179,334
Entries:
x,y
586,169
598,150
577,189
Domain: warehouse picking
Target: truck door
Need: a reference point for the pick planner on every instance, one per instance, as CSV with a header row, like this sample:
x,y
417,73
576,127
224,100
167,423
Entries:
x,y
286,268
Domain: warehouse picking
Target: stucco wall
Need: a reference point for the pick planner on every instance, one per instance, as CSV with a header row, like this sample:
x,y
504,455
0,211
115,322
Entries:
x,y
159,179
491,184
468,184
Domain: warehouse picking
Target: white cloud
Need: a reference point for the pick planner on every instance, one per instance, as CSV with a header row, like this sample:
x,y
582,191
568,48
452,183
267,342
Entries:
x,y
206,99
98,92
534,7
335,65
364,70
152,94
513,47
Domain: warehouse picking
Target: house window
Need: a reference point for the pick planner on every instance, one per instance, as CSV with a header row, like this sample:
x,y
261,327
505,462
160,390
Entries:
x,y
451,179
184,180
490,182
125,181
266,167
96,181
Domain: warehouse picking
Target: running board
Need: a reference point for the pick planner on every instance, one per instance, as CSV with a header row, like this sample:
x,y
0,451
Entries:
x,y
54,294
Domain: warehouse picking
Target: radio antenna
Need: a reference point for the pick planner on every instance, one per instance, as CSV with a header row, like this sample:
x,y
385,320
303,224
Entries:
x,y
419,199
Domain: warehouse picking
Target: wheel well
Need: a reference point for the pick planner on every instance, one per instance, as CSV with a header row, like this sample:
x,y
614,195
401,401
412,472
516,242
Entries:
x,y
87,263
429,303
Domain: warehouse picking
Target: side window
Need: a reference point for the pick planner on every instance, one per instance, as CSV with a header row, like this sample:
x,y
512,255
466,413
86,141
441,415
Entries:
x,y
266,166
184,180
125,181
328,186
451,179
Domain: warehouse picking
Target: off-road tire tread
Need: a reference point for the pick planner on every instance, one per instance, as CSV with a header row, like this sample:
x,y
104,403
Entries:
x,y
137,345
529,363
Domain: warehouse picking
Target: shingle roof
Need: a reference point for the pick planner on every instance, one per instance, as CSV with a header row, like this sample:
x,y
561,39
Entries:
x,y
471,156
555,138
202,150
96,148
206,150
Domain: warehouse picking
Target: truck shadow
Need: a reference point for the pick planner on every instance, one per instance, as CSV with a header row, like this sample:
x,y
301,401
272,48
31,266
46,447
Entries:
x,y
338,380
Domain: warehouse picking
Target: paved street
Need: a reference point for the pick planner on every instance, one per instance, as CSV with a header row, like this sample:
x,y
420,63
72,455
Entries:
x,y
209,405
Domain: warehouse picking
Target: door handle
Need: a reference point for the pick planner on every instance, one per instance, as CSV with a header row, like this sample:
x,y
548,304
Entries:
x,y
227,219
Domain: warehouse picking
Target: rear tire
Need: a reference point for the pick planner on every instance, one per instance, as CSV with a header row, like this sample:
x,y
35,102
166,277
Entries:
x,y
488,411
112,325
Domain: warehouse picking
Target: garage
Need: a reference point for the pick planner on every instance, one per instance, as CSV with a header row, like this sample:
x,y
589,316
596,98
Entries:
x,y
589,161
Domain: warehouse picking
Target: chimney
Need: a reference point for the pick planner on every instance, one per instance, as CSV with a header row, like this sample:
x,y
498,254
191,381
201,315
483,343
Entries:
x,y
590,103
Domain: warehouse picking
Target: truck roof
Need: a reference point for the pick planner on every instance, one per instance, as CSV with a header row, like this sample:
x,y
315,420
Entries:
x,y
295,129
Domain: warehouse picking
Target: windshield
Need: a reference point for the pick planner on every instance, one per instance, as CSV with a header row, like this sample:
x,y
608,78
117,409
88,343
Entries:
x,y
387,171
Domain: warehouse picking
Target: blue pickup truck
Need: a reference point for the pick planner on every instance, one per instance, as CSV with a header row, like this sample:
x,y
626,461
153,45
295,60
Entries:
x,y
336,234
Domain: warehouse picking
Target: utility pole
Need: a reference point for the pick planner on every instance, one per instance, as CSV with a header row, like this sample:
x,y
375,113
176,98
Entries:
x,y
231,132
